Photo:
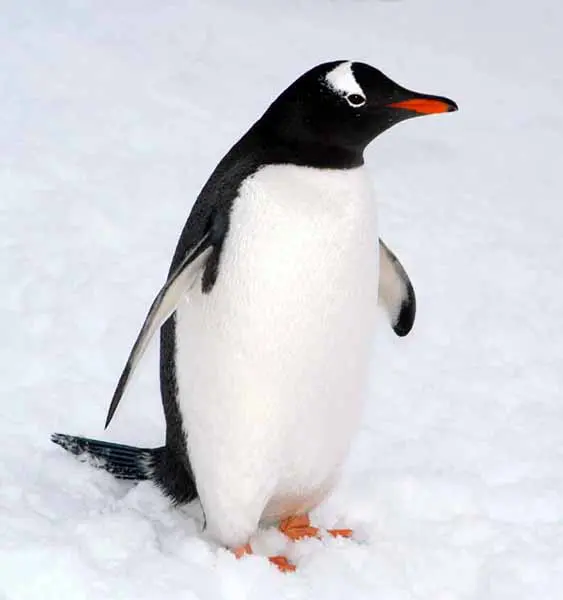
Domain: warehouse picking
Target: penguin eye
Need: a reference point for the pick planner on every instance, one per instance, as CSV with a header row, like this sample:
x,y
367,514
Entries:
x,y
355,100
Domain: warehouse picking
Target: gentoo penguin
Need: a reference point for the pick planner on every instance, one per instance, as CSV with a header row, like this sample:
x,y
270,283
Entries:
x,y
267,316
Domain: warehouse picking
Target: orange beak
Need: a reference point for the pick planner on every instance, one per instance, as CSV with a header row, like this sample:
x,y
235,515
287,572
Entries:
x,y
426,106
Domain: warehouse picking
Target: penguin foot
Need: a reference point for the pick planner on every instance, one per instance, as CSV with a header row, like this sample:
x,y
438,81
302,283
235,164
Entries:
x,y
280,562
345,533
298,528
241,551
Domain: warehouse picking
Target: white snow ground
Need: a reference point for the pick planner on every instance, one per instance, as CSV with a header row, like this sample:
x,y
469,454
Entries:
x,y
112,116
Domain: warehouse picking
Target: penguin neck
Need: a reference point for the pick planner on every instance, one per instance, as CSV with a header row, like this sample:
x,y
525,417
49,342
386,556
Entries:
x,y
275,147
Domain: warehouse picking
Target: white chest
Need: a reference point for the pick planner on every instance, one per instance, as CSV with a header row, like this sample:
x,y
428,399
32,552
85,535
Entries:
x,y
272,364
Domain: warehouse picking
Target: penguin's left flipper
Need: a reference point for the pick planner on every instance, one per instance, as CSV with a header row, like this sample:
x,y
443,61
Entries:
x,y
164,305
396,292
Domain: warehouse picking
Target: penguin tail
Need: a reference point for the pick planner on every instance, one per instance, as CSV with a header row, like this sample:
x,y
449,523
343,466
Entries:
x,y
124,462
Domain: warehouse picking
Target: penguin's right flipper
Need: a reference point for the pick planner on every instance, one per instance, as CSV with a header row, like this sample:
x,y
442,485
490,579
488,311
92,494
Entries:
x,y
165,303
124,462
396,291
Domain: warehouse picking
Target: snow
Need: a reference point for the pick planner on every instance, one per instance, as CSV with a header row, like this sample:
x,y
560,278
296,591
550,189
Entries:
x,y
111,118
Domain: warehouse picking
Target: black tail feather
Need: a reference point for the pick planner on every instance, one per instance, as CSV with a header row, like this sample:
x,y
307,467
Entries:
x,y
124,462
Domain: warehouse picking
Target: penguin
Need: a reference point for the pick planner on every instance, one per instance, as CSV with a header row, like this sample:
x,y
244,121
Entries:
x,y
268,314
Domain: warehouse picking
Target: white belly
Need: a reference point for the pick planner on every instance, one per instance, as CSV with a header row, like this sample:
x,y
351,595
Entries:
x,y
272,364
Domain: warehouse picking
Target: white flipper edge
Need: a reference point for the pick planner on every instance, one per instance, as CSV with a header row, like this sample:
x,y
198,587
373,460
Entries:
x,y
164,305
396,293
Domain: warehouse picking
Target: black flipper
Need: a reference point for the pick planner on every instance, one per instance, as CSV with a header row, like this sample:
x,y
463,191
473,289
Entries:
x,y
396,292
124,462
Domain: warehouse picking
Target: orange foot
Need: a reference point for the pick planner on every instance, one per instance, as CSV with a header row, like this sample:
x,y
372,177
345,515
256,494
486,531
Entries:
x,y
298,528
241,551
281,562
346,533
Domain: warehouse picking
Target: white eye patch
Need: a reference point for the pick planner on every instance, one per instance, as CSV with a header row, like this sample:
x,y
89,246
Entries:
x,y
341,80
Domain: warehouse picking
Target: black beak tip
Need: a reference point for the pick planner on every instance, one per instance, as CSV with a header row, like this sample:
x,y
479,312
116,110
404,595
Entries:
x,y
452,106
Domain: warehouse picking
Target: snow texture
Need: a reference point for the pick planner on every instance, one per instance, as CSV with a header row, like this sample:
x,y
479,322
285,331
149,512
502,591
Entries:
x,y
112,115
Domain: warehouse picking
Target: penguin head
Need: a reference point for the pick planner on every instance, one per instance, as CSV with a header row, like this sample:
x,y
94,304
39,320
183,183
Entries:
x,y
342,106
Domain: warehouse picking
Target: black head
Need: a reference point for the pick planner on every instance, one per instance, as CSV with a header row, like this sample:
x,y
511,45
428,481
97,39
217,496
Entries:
x,y
331,113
